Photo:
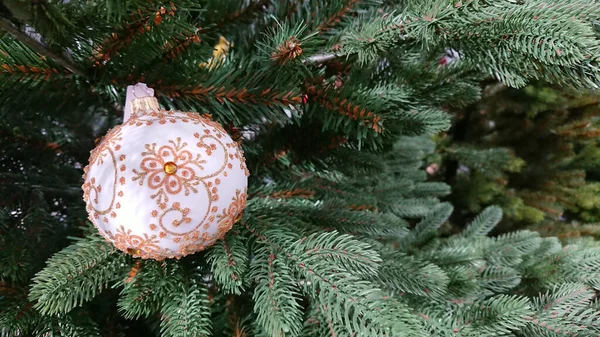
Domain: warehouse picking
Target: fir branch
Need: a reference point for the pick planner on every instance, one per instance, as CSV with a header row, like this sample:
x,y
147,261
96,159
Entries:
x,y
564,310
347,108
336,288
496,316
342,250
39,48
483,223
229,260
74,324
426,228
243,14
508,249
407,274
144,293
499,279
557,46
373,38
173,50
429,189
186,312
336,17
424,121
75,275
276,294
235,95
414,208
353,222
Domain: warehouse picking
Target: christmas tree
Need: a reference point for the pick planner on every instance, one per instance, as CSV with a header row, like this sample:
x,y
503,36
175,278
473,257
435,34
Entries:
x,y
333,102
528,151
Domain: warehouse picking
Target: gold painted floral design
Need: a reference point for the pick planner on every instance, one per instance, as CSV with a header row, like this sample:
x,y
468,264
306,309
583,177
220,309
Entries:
x,y
152,167
181,219
196,244
90,187
237,205
109,141
230,215
125,240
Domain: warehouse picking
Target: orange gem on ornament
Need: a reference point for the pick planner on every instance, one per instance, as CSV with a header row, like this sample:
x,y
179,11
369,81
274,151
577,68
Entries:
x,y
134,251
170,167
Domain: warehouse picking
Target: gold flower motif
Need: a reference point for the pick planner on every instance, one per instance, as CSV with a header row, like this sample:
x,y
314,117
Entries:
x,y
168,169
134,244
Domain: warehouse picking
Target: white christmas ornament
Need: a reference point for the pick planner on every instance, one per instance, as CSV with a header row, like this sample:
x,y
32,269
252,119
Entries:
x,y
164,184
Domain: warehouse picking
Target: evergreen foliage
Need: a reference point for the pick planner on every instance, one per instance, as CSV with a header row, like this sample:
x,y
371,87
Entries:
x,y
333,101
527,150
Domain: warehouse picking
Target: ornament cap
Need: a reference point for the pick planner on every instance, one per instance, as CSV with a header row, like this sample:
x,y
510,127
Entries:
x,y
141,106
140,91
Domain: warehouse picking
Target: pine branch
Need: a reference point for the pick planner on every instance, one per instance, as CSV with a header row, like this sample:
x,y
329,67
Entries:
x,y
336,288
229,260
243,14
342,250
186,312
565,310
235,95
145,290
276,294
17,315
119,40
347,108
36,46
76,323
228,91
414,208
174,50
484,222
335,17
407,274
499,279
75,275
426,228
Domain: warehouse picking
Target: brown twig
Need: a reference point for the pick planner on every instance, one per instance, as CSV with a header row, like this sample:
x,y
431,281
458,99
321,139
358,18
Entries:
x,y
10,28
321,58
